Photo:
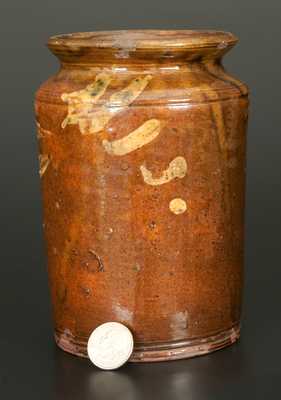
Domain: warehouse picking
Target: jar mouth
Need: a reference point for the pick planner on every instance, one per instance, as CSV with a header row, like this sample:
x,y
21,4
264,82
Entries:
x,y
134,43
145,39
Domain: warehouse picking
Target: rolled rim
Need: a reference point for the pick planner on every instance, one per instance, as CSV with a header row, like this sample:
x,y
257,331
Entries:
x,y
144,39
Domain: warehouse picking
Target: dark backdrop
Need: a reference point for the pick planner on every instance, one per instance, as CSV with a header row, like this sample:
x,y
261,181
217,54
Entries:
x,y
30,366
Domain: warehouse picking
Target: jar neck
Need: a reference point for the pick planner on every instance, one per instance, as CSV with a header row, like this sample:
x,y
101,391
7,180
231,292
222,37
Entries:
x,y
127,57
141,47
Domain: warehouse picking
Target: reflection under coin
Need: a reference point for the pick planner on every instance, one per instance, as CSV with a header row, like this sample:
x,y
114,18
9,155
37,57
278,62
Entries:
x,y
76,377
112,385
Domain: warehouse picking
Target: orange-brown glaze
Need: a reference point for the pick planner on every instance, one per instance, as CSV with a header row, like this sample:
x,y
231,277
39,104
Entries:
x,y
133,236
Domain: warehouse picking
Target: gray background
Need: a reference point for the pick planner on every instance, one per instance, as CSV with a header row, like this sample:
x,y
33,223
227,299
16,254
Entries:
x,y
30,365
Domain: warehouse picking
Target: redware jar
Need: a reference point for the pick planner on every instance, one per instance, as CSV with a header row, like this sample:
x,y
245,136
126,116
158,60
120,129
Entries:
x,y
142,163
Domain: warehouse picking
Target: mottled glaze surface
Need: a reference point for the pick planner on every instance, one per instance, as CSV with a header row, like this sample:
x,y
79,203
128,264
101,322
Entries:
x,y
142,164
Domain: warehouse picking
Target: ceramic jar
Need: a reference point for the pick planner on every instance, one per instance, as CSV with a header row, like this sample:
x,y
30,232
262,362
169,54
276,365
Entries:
x,y
142,164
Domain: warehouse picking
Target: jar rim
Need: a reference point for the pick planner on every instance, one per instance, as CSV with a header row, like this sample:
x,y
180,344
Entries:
x,y
145,39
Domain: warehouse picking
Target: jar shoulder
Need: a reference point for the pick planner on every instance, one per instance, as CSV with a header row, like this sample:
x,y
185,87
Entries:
x,y
150,86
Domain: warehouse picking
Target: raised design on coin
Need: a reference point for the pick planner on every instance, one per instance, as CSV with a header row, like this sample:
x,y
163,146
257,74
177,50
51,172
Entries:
x,y
110,345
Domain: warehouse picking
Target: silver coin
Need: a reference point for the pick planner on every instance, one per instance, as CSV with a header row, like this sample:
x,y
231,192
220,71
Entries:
x,y
110,345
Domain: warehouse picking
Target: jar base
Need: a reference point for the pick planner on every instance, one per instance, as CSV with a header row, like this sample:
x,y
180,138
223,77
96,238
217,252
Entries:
x,y
158,351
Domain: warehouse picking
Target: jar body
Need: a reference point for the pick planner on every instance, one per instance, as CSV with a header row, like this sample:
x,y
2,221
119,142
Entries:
x,y
143,174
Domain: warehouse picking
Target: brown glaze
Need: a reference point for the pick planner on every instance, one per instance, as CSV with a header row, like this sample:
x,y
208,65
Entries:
x,y
142,163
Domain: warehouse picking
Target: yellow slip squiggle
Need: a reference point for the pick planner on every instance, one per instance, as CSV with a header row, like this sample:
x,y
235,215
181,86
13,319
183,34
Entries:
x,y
44,161
80,103
141,136
177,169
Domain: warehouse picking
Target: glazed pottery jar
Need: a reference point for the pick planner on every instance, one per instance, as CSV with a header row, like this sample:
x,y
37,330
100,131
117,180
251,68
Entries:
x,y
142,164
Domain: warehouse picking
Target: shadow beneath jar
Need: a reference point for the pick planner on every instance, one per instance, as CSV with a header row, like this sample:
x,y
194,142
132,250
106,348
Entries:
x,y
77,378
